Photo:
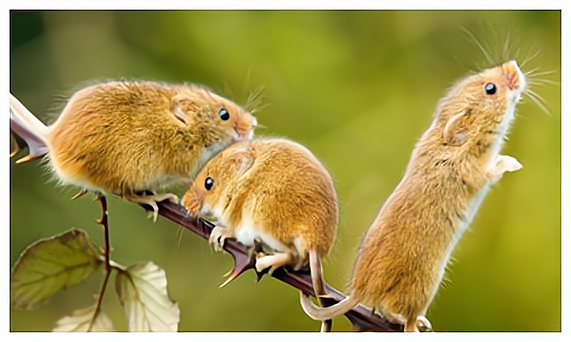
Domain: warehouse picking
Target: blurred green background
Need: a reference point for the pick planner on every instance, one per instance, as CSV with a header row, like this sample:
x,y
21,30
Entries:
x,y
356,87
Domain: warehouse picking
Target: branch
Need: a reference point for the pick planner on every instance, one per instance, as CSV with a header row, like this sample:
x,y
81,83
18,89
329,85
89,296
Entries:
x,y
103,221
362,318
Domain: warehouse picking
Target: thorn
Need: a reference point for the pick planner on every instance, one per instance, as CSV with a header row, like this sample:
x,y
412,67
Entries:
x,y
16,150
26,159
233,274
79,194
242,263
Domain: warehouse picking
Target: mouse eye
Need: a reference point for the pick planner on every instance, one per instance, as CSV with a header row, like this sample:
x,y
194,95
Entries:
x,y
208,183
490,88
224,115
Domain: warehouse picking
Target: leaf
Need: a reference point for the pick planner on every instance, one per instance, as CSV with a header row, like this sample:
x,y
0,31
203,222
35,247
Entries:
x,y
86,319
50,265
142,290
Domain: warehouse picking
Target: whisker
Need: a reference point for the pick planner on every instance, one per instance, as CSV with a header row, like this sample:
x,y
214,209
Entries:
x,y
543,82
537,95
541,73
180,236
254,101
228,90
529,59
506,50
247,80
517,52
530,72
538,100
480,46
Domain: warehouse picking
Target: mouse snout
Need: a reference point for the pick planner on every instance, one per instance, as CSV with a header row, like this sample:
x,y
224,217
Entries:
x,y
192,201
245,127
514,76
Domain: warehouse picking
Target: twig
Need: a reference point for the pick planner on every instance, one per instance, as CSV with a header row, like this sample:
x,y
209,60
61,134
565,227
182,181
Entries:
x,y
103,221
362,318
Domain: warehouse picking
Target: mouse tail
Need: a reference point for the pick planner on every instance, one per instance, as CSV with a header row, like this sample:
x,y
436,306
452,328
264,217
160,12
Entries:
x,y
316,273
28,127
324,314
318,285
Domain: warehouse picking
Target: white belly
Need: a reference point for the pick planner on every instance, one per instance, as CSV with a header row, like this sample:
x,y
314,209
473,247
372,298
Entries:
x,y
246,232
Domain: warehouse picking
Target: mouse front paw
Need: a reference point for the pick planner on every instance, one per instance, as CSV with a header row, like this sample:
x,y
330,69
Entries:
x,y
508,164
502,165
218,236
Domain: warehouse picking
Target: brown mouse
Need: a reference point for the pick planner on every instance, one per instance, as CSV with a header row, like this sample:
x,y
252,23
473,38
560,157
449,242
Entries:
x,y
132,137
453,166
273,190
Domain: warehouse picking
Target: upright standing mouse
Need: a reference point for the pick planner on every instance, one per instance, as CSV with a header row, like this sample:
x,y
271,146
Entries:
x,y
273,190
404,254
132,137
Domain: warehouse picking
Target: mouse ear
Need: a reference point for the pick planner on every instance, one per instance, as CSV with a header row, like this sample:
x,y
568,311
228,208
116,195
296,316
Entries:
x,y
243,160
182,107
455,131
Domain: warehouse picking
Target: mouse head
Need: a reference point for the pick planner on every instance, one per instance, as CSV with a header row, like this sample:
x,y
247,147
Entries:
x,y
211,190
481,106
215,117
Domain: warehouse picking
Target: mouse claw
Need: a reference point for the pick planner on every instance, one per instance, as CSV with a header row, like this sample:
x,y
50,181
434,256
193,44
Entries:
x,y
154,214
151,200
217,237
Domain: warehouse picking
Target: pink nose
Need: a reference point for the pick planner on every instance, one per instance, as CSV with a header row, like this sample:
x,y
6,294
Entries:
x,y
512,74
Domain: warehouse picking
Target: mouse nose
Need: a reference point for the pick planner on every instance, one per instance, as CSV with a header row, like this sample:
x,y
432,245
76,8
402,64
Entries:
x,y
513,75
192,201
245,126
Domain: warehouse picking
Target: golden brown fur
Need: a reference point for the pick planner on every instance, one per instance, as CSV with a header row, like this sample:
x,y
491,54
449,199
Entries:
x,y
275,190
405,251
124,137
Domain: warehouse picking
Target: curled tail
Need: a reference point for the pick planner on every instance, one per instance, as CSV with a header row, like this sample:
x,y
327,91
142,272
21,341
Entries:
x,y
323,314
28,127
318,286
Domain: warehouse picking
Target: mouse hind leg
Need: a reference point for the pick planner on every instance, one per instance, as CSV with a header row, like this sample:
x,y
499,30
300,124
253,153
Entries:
x,y
150,198
274,261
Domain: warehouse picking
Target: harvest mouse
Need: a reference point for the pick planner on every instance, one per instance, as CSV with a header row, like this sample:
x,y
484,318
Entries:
x,y
132,137
273,190
404,254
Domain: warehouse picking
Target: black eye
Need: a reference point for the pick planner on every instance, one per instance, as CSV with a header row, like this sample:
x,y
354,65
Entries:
x,y
224,115
490,88
208,183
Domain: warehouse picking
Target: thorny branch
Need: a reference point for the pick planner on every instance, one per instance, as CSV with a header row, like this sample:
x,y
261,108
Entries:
x,y
103,221
362,318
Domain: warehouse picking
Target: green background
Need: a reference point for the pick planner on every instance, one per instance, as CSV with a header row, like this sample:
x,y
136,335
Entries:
x,y
356,87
